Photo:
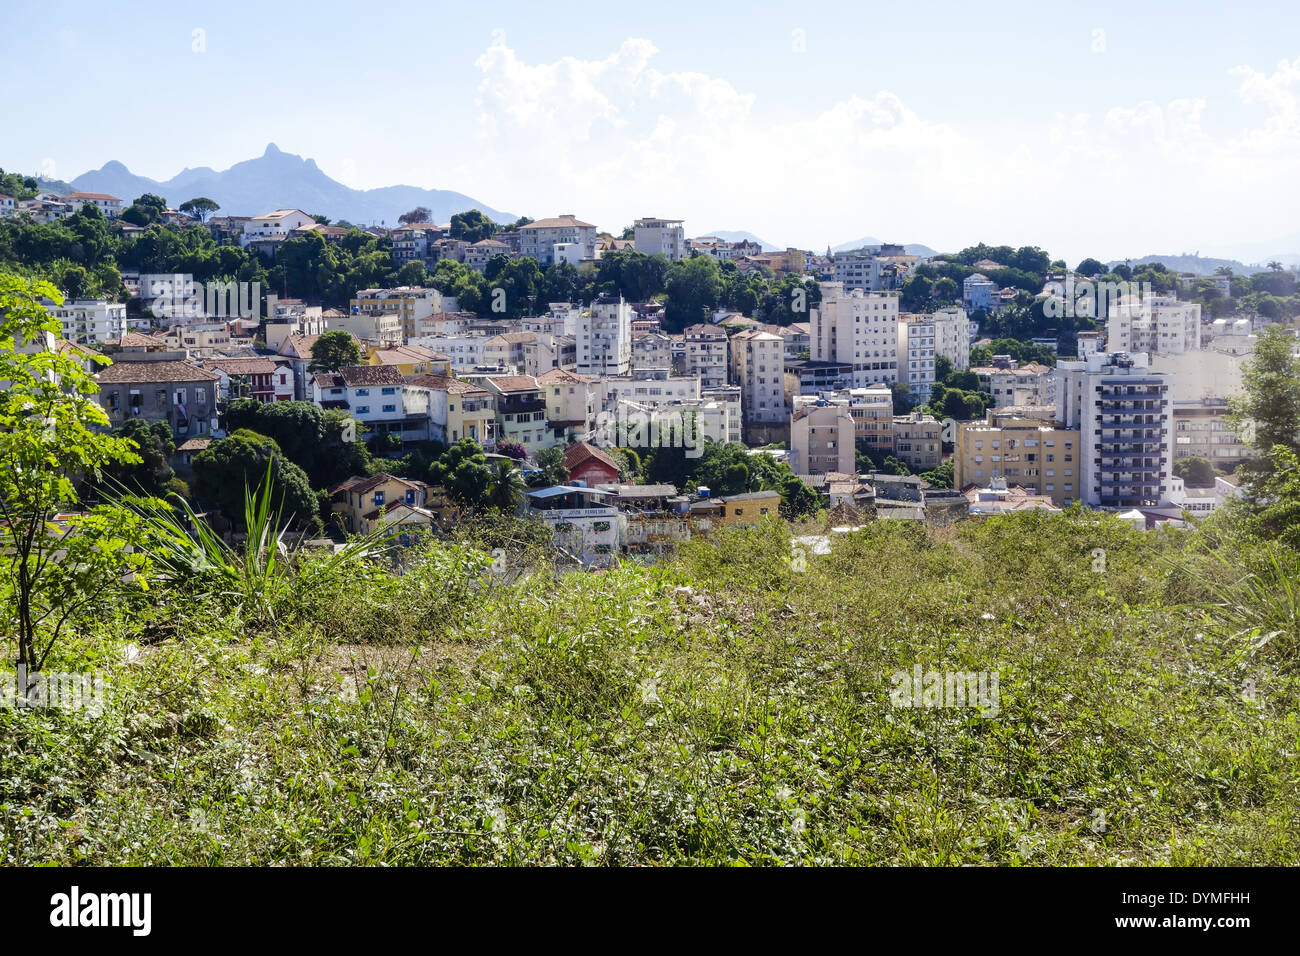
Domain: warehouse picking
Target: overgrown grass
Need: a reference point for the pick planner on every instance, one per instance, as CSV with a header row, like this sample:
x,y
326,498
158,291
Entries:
x,y
722,708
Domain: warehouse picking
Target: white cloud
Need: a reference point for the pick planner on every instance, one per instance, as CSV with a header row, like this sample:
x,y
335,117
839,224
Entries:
x,y
614,138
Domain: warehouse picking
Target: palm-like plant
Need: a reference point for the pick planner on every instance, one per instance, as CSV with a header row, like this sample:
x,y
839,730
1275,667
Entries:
x,y
507,487
266,574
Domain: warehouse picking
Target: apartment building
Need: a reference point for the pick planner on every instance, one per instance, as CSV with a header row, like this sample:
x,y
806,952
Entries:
x,y
478,254
540,240
412,304
455,409
86,321
704,353
413,242
110,206
1043,458
604,338
918,441
729,400
822,435
978,291
654,388
376,397
1124,413
652,350
1157,325
758,367
1202,430
572,400
660,237
1013,384
859,329
520,410
922,339
373,329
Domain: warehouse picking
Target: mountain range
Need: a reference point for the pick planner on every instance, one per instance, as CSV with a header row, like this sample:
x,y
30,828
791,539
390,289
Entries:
x,y
279,180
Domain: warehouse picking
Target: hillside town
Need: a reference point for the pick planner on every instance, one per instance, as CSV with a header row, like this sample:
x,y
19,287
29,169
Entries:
x,y
883,401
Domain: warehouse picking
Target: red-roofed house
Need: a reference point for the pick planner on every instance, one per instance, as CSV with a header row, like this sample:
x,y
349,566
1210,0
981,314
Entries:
x,y
589,464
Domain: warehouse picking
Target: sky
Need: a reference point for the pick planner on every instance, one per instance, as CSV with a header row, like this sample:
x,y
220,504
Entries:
x,y
1089,129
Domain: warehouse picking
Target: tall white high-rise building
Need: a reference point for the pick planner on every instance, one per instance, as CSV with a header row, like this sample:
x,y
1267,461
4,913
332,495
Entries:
x,y
603,336
922,338
1125,416
858,329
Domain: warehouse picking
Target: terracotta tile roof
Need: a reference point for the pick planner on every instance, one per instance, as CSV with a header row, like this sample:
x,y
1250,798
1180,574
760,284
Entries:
x,y
243,366
354,375
298,346
513,383
137,339
364,483
91,196
561,376
581,452
557,222
445,383
194,444
124,373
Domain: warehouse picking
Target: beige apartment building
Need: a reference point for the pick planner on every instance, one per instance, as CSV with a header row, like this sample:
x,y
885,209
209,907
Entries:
x,y
821,437
918,441
1042,458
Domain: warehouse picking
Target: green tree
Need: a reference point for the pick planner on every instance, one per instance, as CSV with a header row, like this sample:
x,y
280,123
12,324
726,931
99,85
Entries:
x,y
550,468
333,350
1268,411
693,290
507,487
201,207
52,432
463,470
154,445
1196,472
472,226
230,469
146,210
1090,267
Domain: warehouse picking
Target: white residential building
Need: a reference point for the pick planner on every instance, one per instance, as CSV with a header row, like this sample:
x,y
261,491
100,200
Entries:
x,y
922,338
604,338
110,206
375,395
653,389
660,237
1157,325
729,399
858,329
704,353
539,239
1125,416
90,320
274,225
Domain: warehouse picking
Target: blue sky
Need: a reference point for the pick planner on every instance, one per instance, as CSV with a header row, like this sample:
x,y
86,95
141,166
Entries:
x,y
1088,128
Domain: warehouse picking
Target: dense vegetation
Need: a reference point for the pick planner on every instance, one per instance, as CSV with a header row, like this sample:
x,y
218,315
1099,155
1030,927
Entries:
x,y
721,708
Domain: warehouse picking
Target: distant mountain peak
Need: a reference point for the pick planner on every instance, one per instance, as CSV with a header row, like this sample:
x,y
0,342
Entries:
x,y
276,180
